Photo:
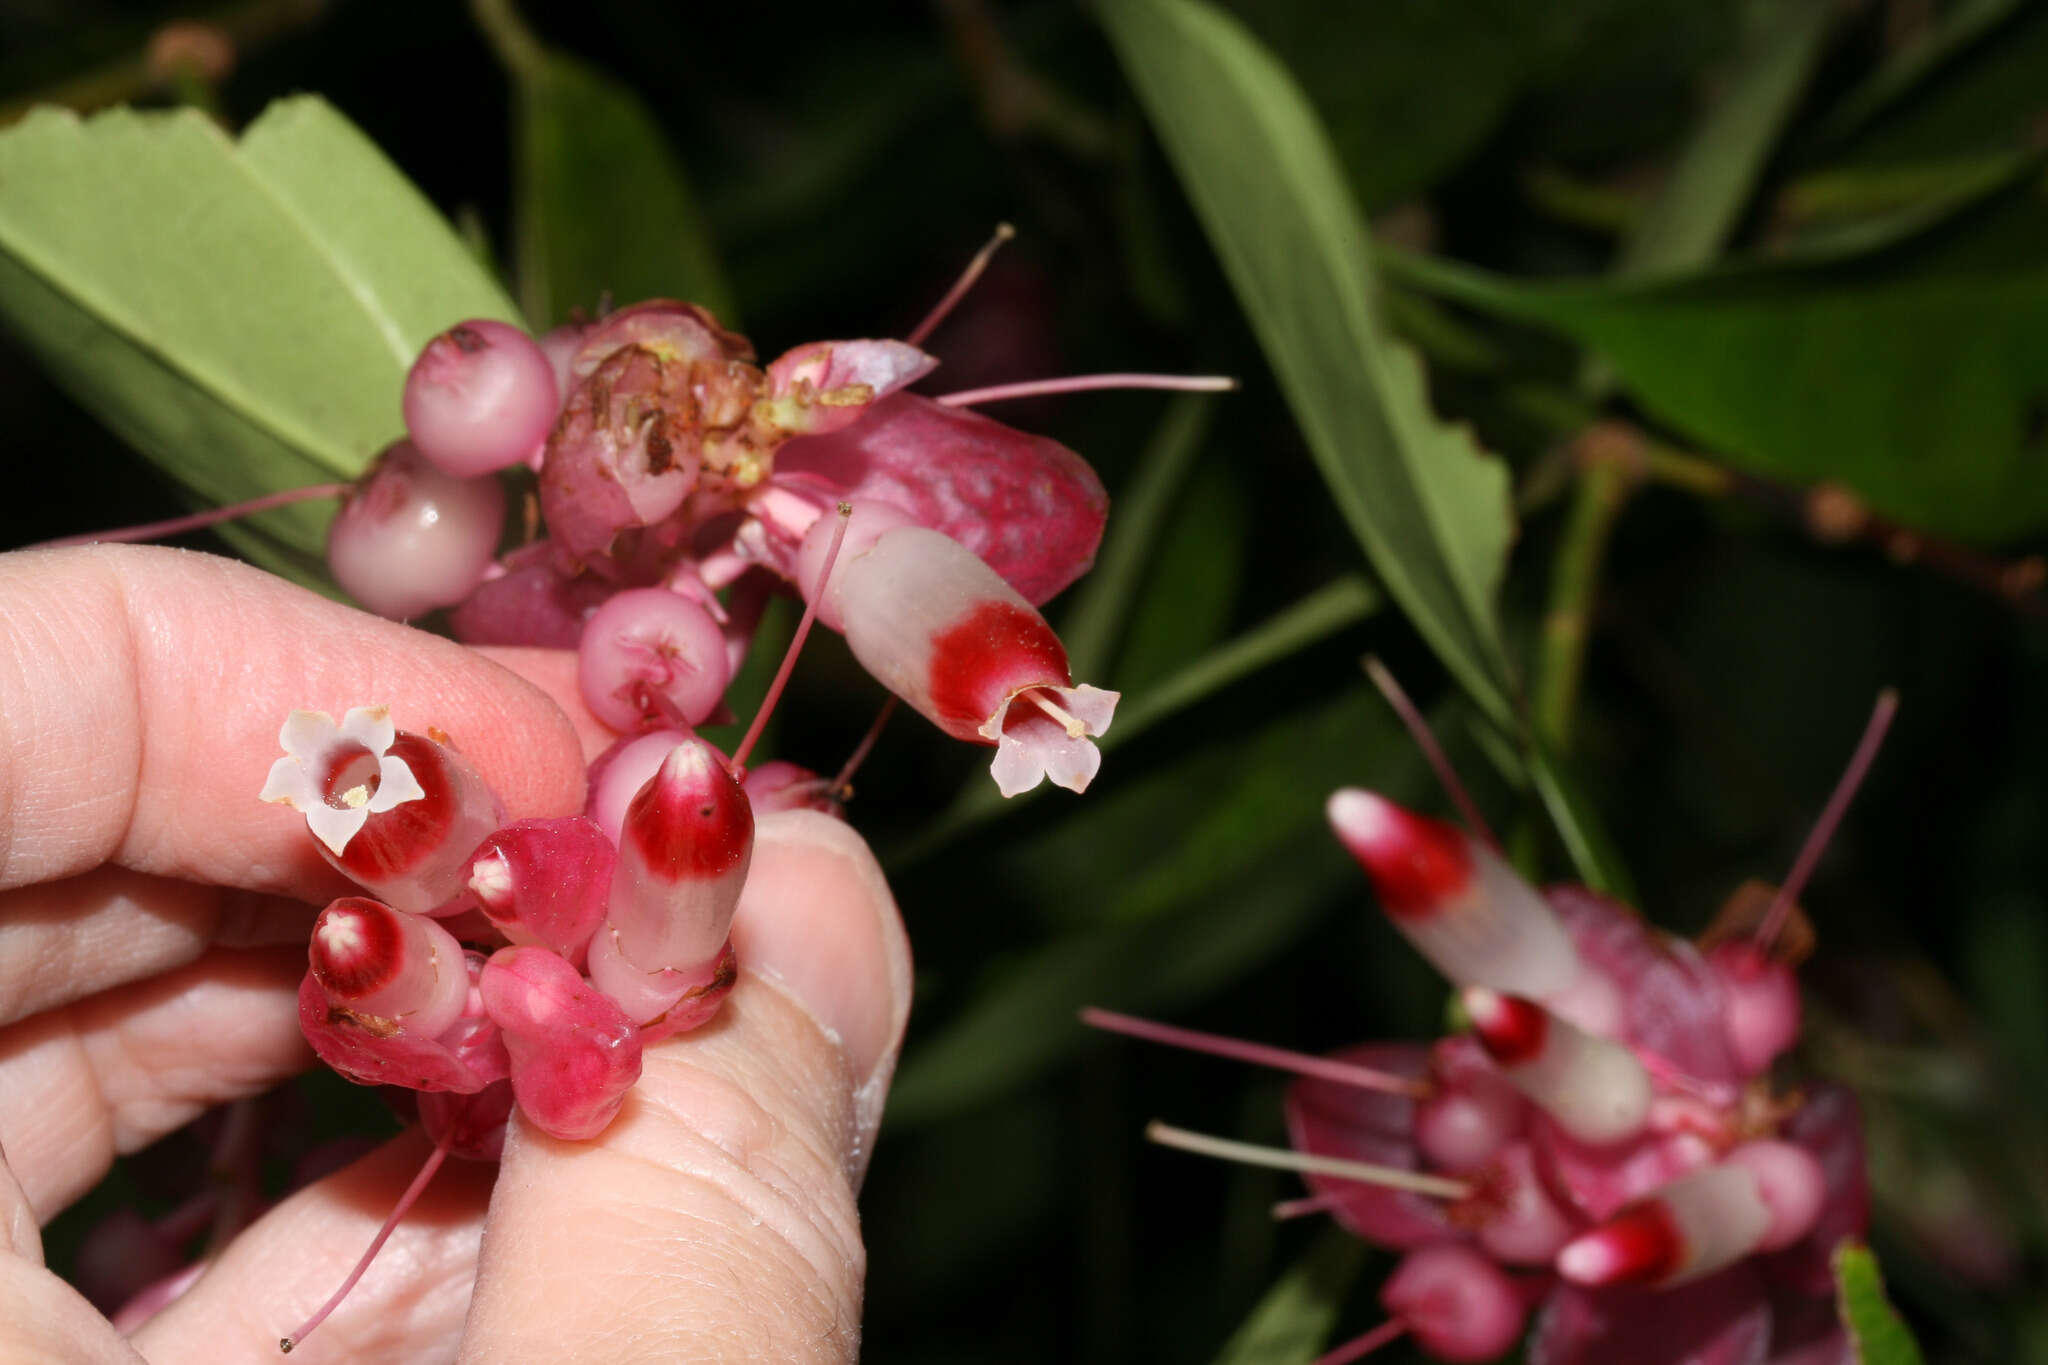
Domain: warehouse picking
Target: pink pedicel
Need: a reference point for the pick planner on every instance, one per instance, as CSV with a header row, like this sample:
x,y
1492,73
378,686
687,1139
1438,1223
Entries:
x,y
1592,1087
411,538
1454,899
481,397
1028,507
937,627
827,385
545,882
651,657
574,1052
1761,1014
1690,1228
684,849
469,1126
379,963
1456,1303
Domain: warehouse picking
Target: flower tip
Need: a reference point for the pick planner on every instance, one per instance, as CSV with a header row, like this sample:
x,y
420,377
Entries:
x,y
1416,863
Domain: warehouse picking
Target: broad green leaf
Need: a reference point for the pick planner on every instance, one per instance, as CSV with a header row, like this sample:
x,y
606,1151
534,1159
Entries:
x,y
1717,171
1292,1322
1913,375
1227,859
242,313
602,207
1429,507
1875,1328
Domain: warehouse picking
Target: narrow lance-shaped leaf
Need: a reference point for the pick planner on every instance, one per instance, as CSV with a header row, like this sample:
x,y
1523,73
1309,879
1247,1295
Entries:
x,y
1290,1325
243,313
1878,1334
1430,509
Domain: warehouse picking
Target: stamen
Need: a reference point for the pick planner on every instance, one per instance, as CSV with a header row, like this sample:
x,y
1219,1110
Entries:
x,y
1359,1347
403,1207
1086,383
1391,1177
1004,232
177,526
841,788
1258,1054
1306,1205
1830,817
1432,752
796,644
1074,728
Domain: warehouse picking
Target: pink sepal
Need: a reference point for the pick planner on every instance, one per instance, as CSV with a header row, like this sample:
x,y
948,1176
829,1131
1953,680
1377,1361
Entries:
x,y
574,1052
1029,507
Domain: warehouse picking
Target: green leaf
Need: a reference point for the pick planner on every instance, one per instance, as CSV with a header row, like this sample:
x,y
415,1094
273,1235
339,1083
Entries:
x,y
1717,171
1291,1323
1430,509
1875,1328
1960,26
1578,824
242,313
601,206
1914,375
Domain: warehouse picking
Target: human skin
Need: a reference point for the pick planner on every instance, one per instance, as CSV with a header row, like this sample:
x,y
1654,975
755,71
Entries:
x,y
153,919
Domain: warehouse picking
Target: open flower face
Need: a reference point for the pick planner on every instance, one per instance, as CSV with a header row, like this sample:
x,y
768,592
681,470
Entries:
x,y
338,776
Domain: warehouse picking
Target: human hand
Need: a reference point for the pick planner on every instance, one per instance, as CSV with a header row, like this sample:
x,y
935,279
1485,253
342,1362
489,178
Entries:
x,y
152,925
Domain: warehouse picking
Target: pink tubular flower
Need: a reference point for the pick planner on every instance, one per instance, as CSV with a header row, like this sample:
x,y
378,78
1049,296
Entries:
x,y
938,627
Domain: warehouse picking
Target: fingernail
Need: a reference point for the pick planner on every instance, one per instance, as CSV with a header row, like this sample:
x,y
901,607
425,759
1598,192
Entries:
x,y
817,920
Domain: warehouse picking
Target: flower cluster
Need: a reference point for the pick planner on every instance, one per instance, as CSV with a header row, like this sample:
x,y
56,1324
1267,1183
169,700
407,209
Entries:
x,y
1603,1142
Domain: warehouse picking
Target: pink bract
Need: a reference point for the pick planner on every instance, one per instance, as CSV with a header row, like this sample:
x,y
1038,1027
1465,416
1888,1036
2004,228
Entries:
x,y
1029,507
574,1052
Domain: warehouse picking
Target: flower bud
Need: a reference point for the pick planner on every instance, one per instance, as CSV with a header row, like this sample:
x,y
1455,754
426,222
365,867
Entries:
x,y
1594,1088
684,849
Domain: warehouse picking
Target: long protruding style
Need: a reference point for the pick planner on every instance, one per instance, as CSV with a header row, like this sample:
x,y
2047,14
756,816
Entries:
x,y
1257,1054
1088,383
212,516
944,307
1425,739
1364,1172
1830,817
796,644
398,1211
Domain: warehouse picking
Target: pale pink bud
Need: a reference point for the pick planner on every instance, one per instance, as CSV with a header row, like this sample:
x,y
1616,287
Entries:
x,y
1691,1227
651,656
1760,1011
411,538
481,397
617,775
545,882
684,849
1457,1304
1792,1184
574,1052
381,964
1594,1088
1453,898
937,627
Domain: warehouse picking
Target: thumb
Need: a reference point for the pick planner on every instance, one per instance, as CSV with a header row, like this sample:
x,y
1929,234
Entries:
x,y
715,1218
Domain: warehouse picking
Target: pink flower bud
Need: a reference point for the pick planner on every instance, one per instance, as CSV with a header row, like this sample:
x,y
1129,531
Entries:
x,y
618,774
1593,1088
574,1052
684,849
1454,899
411,538
651,656
1471,1111
1458,1305
545,882
937,627
405,969
481,397
1760,1011
1689,1228
1518,1222
1792,1185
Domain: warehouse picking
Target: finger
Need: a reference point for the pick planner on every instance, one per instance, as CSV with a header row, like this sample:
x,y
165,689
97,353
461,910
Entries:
x,y
720,1203
62,941
111,1074
142,690
407,1309
554,671
45,1320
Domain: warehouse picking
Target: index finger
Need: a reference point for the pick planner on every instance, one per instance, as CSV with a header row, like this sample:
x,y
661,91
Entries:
x,y
141,692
